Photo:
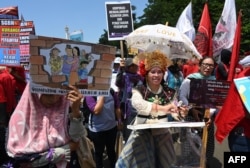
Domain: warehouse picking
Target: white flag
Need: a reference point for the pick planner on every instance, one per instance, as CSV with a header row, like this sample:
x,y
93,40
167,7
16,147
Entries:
x,y
225,29
185,22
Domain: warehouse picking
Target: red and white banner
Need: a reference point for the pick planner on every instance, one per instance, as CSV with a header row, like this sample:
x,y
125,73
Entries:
x,y
224,32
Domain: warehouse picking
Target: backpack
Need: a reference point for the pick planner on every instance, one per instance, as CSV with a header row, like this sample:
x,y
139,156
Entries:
x,y
87,112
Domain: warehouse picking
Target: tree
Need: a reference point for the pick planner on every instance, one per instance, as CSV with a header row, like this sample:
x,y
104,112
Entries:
x,y
162,11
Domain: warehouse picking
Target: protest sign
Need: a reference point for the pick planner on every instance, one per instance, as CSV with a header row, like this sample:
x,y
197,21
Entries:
x,y
57,63
208,93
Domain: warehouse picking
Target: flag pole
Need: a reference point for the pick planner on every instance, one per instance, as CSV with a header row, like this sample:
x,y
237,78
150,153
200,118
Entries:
x,y
236,49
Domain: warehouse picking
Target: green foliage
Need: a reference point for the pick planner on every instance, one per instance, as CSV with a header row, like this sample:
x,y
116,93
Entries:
x,y
162,11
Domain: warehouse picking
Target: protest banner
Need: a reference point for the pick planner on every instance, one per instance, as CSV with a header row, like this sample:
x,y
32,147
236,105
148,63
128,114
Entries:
x,y
119,19
56,63
208,93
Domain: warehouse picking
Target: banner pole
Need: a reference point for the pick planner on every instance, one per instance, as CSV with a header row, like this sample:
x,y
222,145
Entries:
x,y
204,140
122,51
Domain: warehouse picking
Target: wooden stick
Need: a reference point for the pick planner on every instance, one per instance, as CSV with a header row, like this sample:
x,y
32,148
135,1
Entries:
x,y
122,50
204,140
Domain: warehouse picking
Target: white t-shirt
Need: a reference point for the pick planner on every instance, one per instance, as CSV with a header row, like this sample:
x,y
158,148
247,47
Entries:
x,y
113,82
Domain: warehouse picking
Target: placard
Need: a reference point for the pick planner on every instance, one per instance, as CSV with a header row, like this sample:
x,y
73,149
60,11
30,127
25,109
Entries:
x,y
119,19
243,87
57,63
208,93
9,43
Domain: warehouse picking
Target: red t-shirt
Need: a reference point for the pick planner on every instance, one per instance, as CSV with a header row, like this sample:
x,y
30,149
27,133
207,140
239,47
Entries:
x,y
20,81
2,93
8,86
189,69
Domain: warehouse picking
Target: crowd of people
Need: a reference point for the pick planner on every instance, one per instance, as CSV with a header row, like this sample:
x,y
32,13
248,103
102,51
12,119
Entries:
x,y
41,130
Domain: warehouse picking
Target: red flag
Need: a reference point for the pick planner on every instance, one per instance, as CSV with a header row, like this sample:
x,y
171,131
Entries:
x,y
235,50
203,39
227,118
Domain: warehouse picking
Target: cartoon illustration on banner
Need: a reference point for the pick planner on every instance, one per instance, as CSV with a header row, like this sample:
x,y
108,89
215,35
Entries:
x,y
57,63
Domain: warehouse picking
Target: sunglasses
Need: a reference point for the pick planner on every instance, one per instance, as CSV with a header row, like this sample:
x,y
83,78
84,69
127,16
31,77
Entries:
x,y
207,65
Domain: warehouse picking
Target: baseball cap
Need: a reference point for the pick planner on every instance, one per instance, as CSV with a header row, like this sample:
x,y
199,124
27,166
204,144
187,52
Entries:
x,y
117,60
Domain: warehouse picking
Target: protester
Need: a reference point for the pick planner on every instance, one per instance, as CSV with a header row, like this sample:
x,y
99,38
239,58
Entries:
x,y
153,100
174,74
234,120
191,66
102,126
222,69
127,78
42,132
206,65
19,76
116,67
7,105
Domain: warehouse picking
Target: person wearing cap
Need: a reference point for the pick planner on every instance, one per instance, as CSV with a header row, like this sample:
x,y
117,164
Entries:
x,y
116,64
153,101
116,67
127,78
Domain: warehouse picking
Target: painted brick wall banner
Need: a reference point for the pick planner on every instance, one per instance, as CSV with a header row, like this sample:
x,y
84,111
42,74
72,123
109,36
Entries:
x,y
56,63
119,19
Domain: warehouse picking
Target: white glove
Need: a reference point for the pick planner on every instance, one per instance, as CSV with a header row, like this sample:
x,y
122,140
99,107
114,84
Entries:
x,y
61,154
55,155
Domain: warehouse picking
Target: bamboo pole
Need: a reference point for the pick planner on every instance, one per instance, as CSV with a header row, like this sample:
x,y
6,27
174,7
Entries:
x,y
204,140
122,51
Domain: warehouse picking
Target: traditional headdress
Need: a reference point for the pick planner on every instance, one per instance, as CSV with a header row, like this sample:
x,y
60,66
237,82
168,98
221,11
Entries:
x,y
148,60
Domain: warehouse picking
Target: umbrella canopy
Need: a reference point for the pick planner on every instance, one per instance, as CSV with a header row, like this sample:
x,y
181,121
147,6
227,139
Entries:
x,y
167,39
245,61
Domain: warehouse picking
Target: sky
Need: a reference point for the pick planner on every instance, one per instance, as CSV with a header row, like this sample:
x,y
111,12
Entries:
x,y
52,16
